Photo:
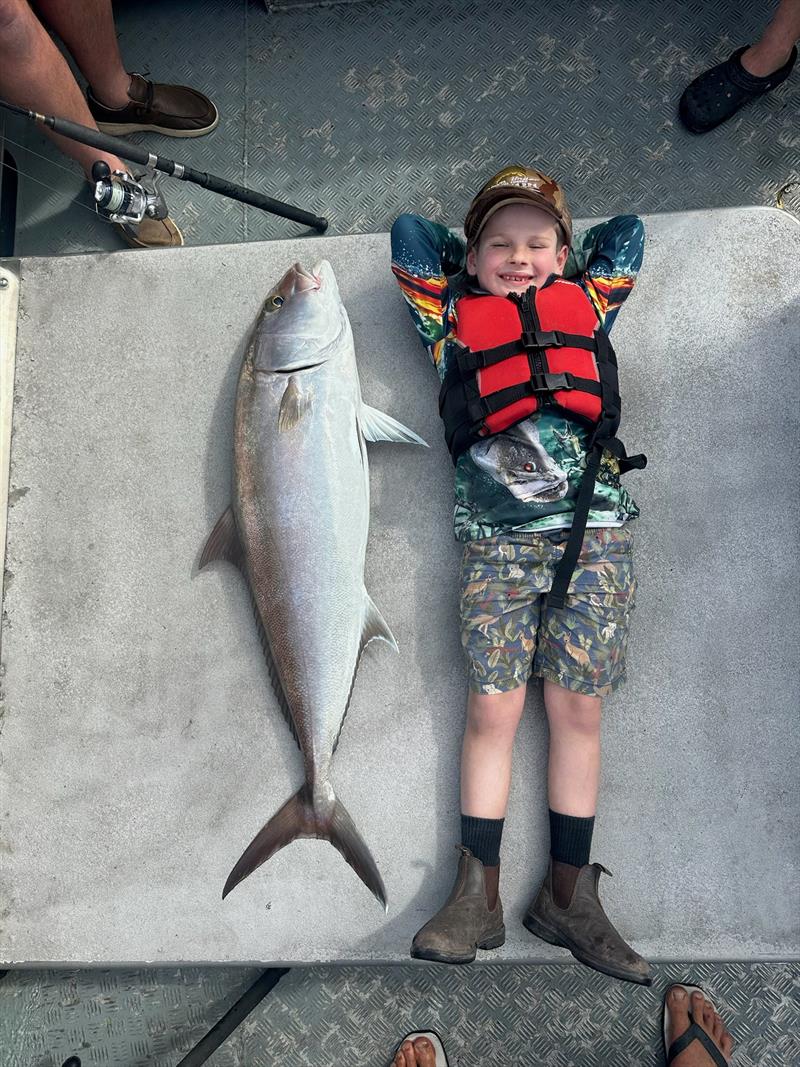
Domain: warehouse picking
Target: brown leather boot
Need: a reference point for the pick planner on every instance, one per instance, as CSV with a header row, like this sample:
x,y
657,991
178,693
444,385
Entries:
x,y
465,923
584,928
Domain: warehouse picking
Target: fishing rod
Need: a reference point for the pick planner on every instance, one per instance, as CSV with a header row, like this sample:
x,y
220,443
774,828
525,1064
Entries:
x,y
129,201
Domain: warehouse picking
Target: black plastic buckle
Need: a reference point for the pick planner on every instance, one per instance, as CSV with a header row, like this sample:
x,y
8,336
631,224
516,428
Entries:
x,y
550,338
561,381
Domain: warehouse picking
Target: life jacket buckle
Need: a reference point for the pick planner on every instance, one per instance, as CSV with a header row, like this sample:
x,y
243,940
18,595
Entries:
x,y
560,381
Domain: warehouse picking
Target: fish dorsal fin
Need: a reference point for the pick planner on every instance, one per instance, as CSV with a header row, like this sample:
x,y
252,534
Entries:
x,y
223,542
378,426
374,626
294,404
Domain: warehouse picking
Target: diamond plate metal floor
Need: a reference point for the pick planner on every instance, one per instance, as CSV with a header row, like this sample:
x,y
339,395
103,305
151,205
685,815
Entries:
x,y
360,110
558,1015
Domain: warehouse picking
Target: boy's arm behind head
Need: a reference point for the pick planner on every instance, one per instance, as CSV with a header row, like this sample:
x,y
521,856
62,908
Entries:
x,y
605,260
424,254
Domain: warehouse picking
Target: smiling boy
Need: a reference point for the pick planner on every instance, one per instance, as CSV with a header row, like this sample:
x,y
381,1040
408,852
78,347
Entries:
x,y
530,405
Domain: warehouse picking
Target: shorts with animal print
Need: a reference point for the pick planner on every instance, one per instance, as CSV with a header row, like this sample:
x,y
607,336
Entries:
x,y
508,630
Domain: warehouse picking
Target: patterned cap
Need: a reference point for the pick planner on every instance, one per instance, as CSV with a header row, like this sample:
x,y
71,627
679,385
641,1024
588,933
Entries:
x,y
518,185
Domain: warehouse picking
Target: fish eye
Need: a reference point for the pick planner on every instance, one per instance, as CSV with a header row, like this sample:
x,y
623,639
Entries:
x,y
276,301
528,467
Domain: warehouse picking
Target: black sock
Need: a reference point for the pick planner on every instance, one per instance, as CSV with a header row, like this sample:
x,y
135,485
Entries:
x,y
482,838
570,838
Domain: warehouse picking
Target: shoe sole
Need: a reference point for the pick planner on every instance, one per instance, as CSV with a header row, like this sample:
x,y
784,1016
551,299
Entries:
x,y
552,937
495,941
120,129
136,243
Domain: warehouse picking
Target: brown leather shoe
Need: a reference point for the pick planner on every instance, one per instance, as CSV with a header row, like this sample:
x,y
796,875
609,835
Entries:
x,y
174,110
152,233
465,923
584,928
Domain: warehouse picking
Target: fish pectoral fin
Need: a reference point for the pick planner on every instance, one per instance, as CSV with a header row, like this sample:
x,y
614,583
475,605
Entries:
x,y
375,626
223,542
378,426
294,405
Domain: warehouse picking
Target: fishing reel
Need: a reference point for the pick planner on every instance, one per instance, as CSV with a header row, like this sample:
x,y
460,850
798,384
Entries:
x,y
123,198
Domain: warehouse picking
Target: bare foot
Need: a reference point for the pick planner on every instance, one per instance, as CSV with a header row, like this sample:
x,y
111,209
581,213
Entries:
x,y
417,1053
694,1055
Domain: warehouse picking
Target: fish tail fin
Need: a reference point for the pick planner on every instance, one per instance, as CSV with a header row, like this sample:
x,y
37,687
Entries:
x,y
299,818
343,835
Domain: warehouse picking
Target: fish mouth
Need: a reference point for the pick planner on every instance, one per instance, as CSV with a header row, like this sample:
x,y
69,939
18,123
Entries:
x,y
310,277
295,369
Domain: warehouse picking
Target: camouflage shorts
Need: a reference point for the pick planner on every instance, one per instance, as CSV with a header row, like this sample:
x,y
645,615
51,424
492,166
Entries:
x,y
509,632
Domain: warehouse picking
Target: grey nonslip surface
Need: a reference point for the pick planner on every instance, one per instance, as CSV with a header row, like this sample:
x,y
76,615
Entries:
x,y
141,746
359,111
550,1015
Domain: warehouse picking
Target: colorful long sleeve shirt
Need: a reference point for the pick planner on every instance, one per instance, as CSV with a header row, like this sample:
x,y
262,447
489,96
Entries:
x,y
525,479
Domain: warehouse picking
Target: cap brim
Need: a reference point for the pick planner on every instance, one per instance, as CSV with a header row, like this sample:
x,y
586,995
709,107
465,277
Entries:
x,y
523,196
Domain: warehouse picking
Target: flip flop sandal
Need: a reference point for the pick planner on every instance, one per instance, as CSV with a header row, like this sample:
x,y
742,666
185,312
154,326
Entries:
x,y
435,1040
718,93
694,1033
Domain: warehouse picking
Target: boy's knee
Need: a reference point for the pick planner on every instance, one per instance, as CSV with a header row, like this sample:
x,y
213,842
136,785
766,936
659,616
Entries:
x,y
497,714
575,712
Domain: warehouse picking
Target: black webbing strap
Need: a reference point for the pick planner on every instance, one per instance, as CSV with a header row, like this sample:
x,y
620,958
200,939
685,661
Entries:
x,y
572,549
469,360
478,410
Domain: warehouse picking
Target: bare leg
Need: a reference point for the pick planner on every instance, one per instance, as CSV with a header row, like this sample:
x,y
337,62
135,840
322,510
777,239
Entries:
x,y
775,46
87,29
34,74
486,752
573,772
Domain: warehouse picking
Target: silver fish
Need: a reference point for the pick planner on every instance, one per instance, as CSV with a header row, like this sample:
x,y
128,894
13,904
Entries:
x,y
297,530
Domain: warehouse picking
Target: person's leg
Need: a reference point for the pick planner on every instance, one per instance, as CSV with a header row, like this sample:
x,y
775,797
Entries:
x,y
581,652
573,778
87,29
34,74
704,1016
774,47
720,92
486,755
500,604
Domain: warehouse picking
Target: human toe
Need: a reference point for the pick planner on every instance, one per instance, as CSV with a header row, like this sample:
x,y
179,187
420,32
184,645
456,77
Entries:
x,y
405,1056
678,1004
425,1053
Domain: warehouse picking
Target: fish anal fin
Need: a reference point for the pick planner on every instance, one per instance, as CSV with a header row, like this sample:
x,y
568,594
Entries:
x,y
378,426
223,542
374,626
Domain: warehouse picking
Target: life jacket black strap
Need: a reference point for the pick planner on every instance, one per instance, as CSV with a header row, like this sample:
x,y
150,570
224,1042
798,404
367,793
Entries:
x,y
572,549
469,360
480,408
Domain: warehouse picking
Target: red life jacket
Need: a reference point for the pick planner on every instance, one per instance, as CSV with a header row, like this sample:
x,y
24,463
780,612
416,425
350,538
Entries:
x,y
544,346
517,354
